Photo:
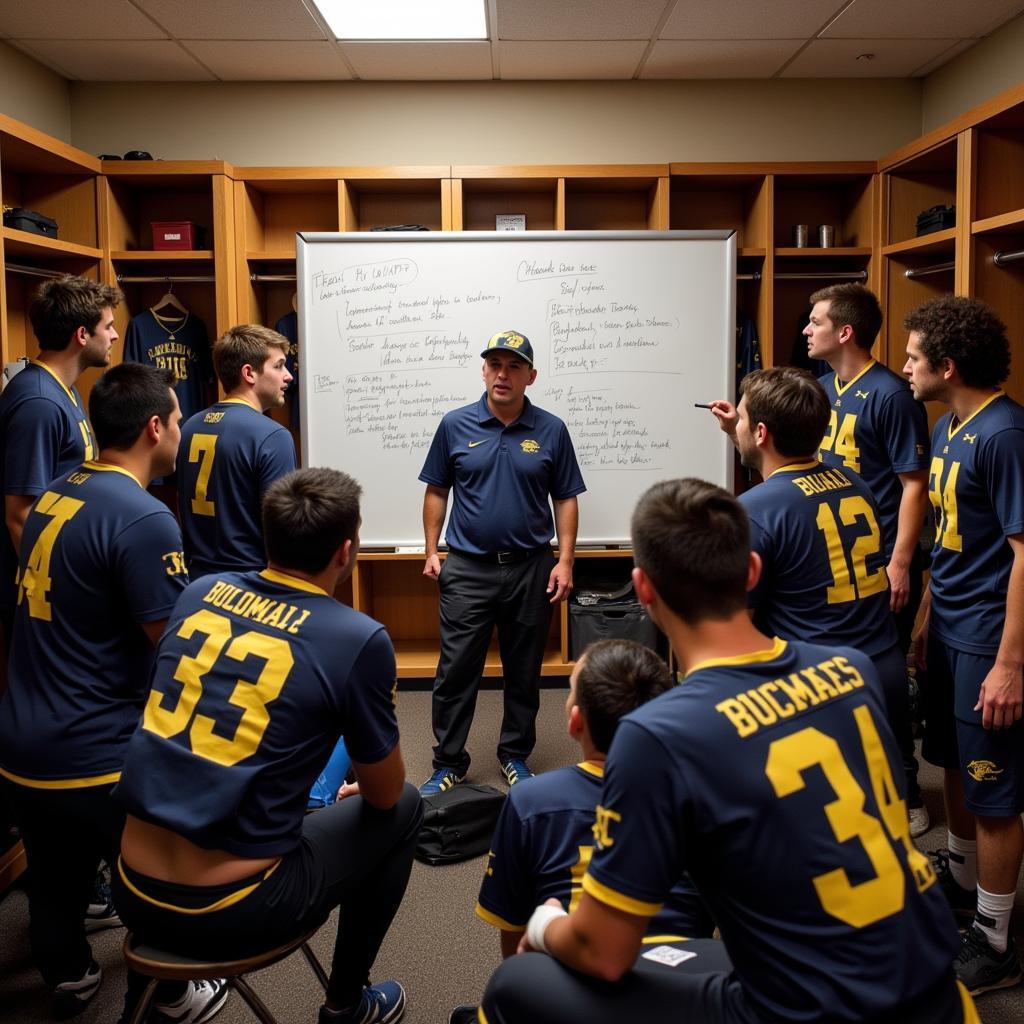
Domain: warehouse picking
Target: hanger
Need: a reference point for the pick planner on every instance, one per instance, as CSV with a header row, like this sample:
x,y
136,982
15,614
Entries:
x,y
169,299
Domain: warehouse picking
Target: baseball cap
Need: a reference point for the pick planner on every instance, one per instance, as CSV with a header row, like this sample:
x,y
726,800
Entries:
x,y
511,341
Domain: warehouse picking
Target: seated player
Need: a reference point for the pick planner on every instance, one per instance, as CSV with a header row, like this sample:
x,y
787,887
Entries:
x,y
256,677
771,776
544,838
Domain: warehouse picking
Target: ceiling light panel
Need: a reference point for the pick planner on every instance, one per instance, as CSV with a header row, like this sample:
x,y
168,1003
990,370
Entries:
x,y
405,19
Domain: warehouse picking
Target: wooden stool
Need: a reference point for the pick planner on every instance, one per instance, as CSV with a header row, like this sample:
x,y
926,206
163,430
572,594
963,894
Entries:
x,y
160,965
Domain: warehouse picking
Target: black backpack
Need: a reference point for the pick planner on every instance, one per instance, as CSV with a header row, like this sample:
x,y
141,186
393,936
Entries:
x,y
458,823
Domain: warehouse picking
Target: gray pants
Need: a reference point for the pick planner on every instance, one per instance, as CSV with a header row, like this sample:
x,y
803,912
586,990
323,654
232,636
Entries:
x,y
476,596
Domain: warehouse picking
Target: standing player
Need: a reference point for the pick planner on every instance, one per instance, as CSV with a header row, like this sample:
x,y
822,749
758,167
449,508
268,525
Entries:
x,y
256,676
958,353
502,458
231,453
877,430
771,776
101,568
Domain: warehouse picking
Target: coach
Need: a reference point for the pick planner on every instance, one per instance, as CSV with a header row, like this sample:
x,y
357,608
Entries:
x,y
501,458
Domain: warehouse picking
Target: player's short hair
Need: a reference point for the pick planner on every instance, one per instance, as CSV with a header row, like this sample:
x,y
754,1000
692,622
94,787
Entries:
x,y
855,305
63,304
791,404
123,401
968,332
615,677
692,539
244,345
307,515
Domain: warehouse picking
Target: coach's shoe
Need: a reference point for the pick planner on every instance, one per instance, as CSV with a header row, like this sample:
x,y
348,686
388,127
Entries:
x,y
202,1001
516,770
920,822
70,998
442,779
464,1014
379,1004
981,968
963,902
101,912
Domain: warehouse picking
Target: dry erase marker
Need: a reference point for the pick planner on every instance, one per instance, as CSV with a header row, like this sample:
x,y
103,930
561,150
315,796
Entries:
x,y
701,405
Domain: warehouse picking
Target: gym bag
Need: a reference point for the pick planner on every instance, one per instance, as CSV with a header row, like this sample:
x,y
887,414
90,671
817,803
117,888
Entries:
x,y
458,823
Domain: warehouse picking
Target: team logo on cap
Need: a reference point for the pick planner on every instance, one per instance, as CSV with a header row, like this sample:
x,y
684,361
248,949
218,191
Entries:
x,y
513,340
530,447
983,771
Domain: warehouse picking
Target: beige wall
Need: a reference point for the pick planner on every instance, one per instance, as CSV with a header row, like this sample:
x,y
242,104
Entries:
x,y
34,94
498,122
995,64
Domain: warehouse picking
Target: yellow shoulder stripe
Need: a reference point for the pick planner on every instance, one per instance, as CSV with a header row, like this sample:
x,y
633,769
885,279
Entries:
x,y
618,900
499,922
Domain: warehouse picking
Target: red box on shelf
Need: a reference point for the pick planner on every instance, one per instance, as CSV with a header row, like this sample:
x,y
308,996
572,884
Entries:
x,y
176,234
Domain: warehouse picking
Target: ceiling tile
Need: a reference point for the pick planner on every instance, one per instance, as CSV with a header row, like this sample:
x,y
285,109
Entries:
x,y
115,60
593,60
234,19
264,61
427,61
922,19
741,19
837,58
704,58
76,19
592,19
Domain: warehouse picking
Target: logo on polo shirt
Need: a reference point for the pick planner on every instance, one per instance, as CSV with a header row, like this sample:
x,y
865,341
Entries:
x,y
983,771
530,447
473,444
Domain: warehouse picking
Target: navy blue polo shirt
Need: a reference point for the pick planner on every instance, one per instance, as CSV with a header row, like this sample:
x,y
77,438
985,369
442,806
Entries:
x,y
501,476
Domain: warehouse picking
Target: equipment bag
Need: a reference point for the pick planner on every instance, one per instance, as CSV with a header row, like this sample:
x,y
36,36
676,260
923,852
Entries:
x,y
28,220
458,823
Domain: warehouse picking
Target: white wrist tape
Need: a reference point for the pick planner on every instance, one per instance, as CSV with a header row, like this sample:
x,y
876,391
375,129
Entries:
x,y
539,921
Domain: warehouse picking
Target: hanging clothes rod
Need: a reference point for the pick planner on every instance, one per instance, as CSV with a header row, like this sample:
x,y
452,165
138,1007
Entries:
x,y
938,268
755,276
18,268
164,279
831,275
1002,258
271,278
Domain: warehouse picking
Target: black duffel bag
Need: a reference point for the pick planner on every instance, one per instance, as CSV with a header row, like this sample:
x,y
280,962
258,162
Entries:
x,y
458,823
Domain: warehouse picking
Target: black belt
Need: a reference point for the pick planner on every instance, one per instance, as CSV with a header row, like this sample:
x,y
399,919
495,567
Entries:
x,y
511,557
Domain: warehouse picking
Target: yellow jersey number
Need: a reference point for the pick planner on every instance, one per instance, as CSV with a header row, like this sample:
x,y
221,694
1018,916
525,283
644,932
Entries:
x,y
839,439
943,498
252,696
202,450
35,581
850,576
864,903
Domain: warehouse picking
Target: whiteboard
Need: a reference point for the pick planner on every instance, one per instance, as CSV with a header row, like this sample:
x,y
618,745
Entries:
x,y
628,329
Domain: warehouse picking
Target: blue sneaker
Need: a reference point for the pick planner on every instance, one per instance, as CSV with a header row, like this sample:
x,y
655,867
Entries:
x,y
442,779
515,771
379,1004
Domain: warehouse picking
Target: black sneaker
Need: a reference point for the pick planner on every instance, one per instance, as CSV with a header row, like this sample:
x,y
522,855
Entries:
x,y
981,968
963,902
70,998
464,1014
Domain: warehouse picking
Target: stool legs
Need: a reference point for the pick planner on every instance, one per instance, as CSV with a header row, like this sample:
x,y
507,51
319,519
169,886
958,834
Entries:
x,y
321,974
145,1000
258,1007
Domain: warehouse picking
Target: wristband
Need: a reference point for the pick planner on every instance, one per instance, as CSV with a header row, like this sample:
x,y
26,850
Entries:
x,y
539,921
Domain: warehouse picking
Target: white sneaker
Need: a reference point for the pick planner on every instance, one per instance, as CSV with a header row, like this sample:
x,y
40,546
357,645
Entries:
x,y
70,998
203,1001
920,822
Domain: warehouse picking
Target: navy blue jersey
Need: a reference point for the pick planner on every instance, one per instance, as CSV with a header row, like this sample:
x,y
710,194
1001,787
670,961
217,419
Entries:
x,y
256,677
976,485
229,455
775,781
288,326
176,343
99,556
823,577
878,430
44,433
542,845
501,476
748,348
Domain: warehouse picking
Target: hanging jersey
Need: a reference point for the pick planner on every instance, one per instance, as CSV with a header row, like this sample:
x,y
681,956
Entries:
x,y
748,348
976,485
542,845
100,556
256,677
229,455
823,565
288,326
774,780
44,433
878,430
179,344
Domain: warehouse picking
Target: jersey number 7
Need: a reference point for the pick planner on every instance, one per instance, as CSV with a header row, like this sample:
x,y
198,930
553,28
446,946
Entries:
x,y
202,450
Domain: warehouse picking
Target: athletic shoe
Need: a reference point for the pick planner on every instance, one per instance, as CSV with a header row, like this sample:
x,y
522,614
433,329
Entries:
x,y
379,1004
202,1001
70,998
515,771
981,968
101,912
464,1014
920,822
442,779
963,902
